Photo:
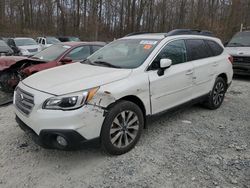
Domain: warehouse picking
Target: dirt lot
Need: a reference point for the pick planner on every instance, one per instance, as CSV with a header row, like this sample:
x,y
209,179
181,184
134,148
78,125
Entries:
x,y
194,147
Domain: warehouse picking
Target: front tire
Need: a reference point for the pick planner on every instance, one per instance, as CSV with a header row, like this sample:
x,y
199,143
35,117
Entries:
x,y
122,128
216,96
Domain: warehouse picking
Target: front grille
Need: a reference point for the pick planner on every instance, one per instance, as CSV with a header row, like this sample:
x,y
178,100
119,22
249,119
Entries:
x,y
240,59
33,50
24,101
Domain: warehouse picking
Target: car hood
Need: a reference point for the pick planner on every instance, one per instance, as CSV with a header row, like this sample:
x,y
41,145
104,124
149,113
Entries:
x,y
74,77
238,51
8,61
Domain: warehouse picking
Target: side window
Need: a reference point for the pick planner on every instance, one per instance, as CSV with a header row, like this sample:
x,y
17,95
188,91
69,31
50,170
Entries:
x,y
95,48
176,51
215,47
79,53
197,49
43,41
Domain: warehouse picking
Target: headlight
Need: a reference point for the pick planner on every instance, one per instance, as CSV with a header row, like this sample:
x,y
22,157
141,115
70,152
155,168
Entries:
x,y
24,51
70,101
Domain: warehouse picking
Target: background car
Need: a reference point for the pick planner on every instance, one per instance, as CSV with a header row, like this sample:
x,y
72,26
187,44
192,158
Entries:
x,y
239,48
12,69
46,42
5,50
69,39
27,46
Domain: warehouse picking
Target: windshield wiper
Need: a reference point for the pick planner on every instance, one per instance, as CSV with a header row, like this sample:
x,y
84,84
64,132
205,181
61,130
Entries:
x,y
102,63
105,64
86,61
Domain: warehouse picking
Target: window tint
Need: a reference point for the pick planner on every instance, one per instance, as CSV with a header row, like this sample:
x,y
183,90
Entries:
x,y
176,51
79,53
216,48
197,49
95,48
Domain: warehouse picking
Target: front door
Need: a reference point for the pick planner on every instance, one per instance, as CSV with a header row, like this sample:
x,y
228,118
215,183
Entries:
x,y
175,86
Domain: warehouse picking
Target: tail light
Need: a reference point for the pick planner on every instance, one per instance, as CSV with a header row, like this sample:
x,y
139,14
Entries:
x,y
231,59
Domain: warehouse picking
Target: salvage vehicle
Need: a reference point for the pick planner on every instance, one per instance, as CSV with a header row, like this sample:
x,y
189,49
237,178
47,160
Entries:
x,y
46,42
27,46
15,68
107,97
5,50
239,48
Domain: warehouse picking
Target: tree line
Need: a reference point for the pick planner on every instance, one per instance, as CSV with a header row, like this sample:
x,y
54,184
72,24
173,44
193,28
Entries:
x,y
109,19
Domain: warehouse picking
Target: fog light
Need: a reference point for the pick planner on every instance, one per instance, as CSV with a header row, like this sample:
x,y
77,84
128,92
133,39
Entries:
x,y
62,141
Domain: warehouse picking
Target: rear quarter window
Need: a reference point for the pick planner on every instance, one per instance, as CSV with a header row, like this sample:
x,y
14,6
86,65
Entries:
x,y
215,47
197,49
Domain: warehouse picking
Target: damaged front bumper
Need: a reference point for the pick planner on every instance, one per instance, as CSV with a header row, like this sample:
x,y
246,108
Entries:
x,y
76,126
48,138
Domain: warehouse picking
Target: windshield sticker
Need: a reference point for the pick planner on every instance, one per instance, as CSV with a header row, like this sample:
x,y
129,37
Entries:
x,y
148,46
150,42
66,46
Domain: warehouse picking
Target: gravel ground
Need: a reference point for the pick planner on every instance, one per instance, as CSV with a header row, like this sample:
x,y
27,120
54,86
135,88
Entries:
x,y
194,147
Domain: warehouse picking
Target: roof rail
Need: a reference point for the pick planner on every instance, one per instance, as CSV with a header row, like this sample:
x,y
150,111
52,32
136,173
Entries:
x,y
137,33
189,32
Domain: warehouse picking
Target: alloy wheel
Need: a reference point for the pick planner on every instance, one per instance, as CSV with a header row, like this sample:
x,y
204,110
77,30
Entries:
x,y
124,129
218,93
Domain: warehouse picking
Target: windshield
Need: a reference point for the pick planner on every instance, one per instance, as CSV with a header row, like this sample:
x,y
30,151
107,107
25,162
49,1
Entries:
x,y
125,53
241,39
2,43
25,42
51,53
52,40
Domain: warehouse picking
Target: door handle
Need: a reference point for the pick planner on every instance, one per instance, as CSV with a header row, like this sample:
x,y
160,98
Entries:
x,y
189,72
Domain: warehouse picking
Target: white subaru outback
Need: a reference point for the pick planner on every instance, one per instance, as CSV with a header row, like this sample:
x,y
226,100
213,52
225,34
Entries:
x,y
108,96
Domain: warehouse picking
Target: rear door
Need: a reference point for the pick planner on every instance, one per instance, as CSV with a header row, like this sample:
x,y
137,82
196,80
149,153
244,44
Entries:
x,y
175,86
199,53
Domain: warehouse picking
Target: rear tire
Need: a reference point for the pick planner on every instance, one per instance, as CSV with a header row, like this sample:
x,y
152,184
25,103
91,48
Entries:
x,y
122,128
216,96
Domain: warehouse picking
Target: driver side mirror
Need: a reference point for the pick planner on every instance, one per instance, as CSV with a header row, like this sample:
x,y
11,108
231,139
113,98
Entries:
x,y
164,64
66,60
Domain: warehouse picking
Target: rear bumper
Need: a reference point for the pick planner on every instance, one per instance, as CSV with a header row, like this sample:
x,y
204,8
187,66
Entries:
x,y
47,137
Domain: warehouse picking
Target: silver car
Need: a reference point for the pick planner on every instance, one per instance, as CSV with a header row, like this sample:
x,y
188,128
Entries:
x,y
239,48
